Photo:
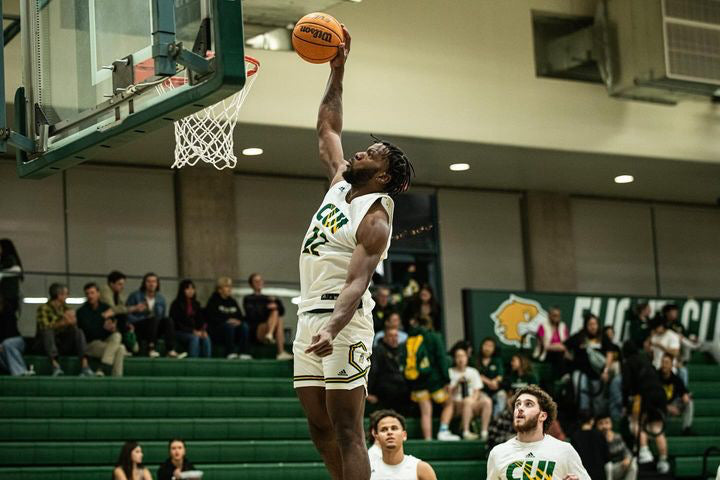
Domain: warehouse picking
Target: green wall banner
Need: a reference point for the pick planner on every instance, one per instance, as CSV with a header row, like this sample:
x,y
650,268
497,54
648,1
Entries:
x,y
507,315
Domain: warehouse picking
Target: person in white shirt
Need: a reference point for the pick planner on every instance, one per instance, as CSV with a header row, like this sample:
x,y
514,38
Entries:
x,y
664,341
466,389
533,453
390,434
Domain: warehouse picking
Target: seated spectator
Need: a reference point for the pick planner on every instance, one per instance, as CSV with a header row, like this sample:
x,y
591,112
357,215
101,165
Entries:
x,y
468,397
96,321
521,374
225,322
624,466
423,306
129,465
615,383
11,274
426,370
688,342
152,320
391,321
664,341
501,427
58,332
386,382
176,463
112,294
264,315
383,308
12,344
591,360
491,373
552,336
643,392
188,322
592,447
679,402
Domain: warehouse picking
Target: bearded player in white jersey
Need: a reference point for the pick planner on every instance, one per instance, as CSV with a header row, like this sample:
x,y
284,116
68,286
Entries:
x,y
347,238
532,453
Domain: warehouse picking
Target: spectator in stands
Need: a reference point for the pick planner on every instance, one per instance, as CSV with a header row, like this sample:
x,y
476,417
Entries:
x,y
58,332
469,400
521,373
624,466
11,274
590,365
592,447
491,373
153,320
264,316
615,383
679,402
426,369
552,336
390,434
501,427
112,294
188,322
386,382
646,402
129,465
225,322
176,463
383,308
423,306
96,321
639,324
666,341
391,321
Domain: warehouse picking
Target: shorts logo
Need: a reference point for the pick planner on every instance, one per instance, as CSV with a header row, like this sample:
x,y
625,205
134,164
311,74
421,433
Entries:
x,y
515,317
342,373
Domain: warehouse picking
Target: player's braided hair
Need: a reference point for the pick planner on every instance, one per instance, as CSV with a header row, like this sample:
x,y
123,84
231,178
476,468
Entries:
x,y
400,169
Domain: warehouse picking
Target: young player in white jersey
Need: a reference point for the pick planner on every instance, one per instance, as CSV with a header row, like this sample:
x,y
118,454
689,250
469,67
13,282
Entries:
x,y
532,453
347,238
390,434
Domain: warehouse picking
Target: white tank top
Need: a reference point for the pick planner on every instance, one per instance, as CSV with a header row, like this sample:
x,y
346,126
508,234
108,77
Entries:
x,y
329,244
405,470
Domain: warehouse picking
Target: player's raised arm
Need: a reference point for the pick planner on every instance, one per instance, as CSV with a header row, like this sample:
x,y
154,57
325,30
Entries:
x,y
372,237
330,115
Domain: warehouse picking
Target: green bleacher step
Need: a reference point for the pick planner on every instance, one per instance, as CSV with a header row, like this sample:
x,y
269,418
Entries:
x,y
149,407
145,387
254,451
692,466
187,367
702,389
269,471
691,446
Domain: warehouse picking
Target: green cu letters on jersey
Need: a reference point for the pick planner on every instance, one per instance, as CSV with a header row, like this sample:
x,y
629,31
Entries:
x,y
543,470
331,218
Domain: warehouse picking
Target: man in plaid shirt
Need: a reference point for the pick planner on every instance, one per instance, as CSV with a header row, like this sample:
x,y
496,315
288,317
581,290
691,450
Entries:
x,y
58,330
501,427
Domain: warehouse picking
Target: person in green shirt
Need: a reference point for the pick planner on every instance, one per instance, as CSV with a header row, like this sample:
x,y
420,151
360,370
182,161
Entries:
x,y
95,319
491,371
521,374
426,370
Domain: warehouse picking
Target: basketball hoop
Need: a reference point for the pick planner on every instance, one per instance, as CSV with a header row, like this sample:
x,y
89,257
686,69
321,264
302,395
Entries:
x,y
207,135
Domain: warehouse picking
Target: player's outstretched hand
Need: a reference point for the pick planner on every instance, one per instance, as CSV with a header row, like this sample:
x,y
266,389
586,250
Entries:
x,y
343,50
321,344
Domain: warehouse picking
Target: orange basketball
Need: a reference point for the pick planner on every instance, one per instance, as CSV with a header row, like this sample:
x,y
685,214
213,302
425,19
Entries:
x,y
316,37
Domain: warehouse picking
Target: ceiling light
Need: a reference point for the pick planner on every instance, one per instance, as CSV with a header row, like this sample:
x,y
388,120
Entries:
x,y
624,179
252,151
459,167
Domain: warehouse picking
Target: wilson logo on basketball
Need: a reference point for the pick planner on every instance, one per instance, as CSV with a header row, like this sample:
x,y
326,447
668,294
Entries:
x,y
324,36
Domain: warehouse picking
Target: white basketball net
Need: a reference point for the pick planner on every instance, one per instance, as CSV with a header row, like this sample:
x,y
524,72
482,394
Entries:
x,y
207,135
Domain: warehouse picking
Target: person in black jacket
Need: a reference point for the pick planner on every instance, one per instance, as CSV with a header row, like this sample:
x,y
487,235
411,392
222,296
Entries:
x,y
386,382
264,315
592,447
225,321
176,462
187,317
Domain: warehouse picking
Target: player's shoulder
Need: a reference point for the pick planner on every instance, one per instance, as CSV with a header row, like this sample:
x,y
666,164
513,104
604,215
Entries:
x,y
558,445
505,447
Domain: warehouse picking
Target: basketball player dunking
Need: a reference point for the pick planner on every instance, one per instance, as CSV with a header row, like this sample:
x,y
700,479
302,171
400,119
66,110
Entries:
x,y
347,238
533,453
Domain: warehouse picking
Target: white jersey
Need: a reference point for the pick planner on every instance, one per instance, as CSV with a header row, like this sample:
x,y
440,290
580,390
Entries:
x,y
471,375
405,470
329,244
375,452
549,459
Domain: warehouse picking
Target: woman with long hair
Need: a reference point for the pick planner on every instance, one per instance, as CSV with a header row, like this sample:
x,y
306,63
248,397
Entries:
x,y
129,465
423,305
468,398
190,327
521,372
491,371
176,463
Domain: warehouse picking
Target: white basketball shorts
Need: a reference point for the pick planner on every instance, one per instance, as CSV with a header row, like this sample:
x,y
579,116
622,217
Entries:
x,y
347,367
